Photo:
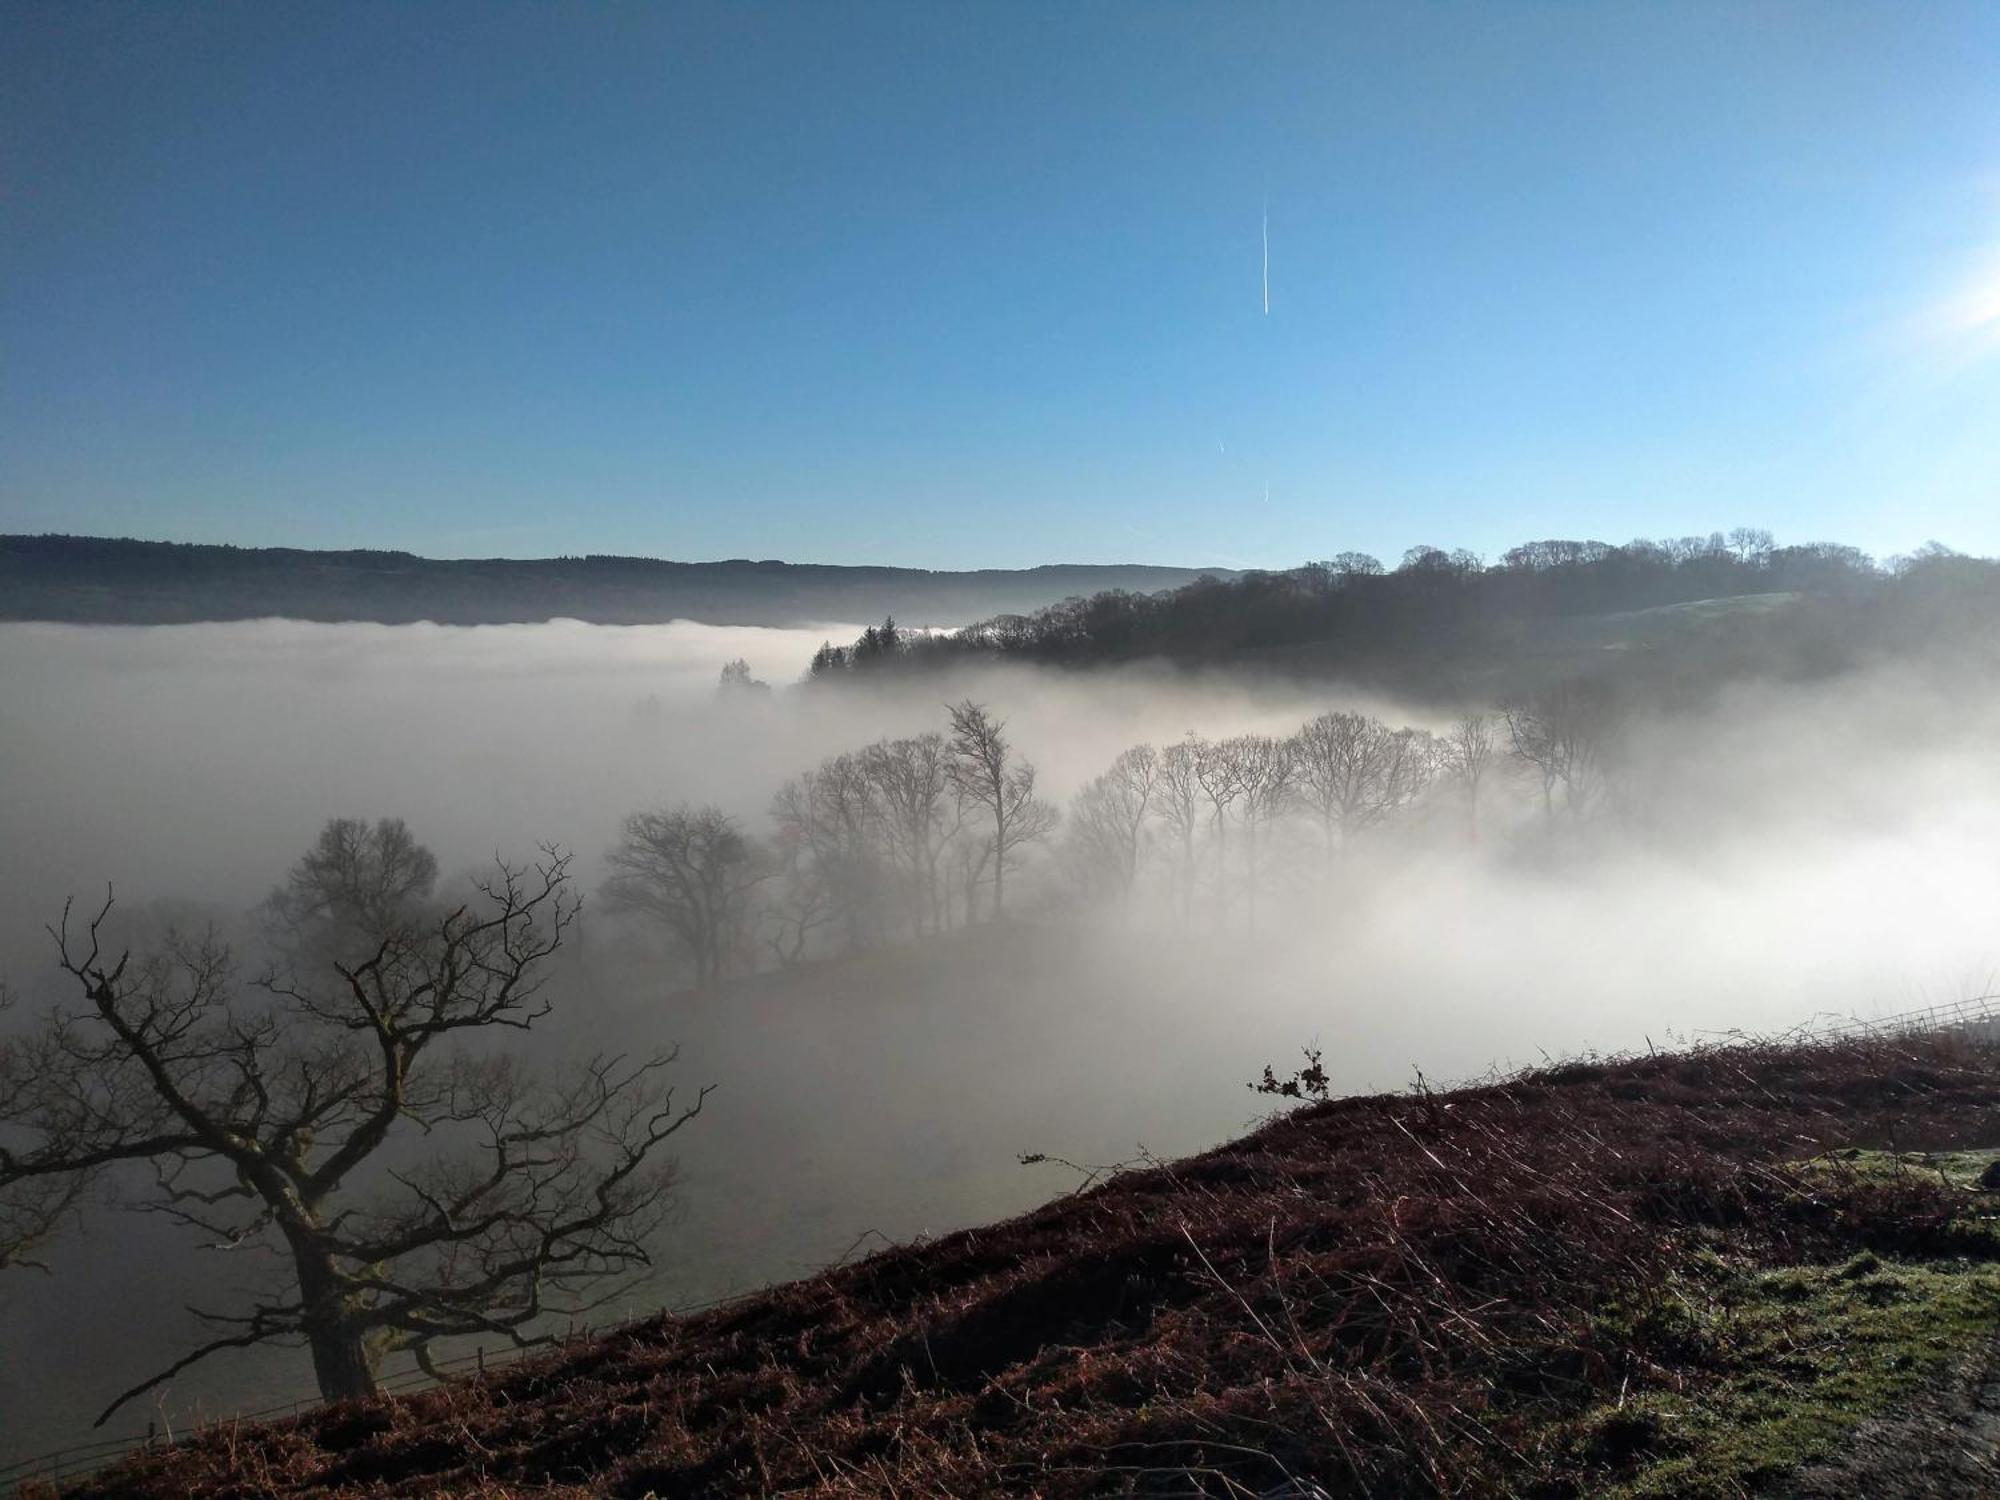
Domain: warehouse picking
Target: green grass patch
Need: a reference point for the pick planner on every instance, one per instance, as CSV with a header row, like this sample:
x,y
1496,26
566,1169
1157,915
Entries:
x,y
1959,1169
1778,1366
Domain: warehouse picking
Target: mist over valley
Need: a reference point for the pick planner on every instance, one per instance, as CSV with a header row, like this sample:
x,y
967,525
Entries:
x,y
1779,851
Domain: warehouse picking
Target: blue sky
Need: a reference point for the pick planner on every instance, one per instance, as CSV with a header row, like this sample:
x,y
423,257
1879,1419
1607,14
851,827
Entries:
x,y
956,285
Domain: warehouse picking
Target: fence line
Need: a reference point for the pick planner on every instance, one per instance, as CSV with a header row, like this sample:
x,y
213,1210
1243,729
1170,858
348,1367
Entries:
x,y
1951,1015
80,1459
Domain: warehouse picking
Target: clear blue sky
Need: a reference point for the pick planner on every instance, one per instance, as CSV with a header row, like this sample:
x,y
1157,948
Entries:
x,y
954,284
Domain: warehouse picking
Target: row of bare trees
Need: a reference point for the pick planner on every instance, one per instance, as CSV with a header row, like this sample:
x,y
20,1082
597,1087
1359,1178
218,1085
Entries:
x,y
1196,805
903,838
915,835
1345,772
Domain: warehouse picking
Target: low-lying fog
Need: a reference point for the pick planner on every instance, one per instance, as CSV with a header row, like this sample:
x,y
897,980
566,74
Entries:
x,y
1789,853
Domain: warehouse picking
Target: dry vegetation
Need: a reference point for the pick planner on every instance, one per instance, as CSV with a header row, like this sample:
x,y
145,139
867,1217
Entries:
x,y
1596,1278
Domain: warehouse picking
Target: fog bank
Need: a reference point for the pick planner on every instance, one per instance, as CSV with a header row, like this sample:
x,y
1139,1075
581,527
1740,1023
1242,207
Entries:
x,y
1780,854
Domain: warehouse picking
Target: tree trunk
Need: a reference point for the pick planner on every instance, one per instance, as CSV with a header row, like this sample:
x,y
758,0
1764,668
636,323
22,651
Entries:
x,y
341,1362
340,1358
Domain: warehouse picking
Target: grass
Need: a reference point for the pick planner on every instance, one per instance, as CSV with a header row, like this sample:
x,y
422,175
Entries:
x,y
1789,1363
1651,1277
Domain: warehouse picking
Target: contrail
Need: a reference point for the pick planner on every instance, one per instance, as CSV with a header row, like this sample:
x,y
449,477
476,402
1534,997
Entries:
x,y
1267,257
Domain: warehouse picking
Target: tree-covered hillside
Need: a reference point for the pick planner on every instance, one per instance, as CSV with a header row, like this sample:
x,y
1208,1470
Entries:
x,y
1452,625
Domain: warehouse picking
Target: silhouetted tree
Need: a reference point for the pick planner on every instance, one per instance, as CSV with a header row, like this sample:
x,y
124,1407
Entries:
x,y
1751,544
694,872
1262,769
269,1117
1178,800
1466,757
357,884
990,778
1353,771
1107,824
1216,773
830,825
31,1208
1560,735
910,781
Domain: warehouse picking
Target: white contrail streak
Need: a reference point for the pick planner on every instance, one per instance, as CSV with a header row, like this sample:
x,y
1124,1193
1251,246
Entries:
x,y
1267,259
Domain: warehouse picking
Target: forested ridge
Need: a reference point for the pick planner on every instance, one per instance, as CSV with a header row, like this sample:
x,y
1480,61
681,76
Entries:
x,y
1444,624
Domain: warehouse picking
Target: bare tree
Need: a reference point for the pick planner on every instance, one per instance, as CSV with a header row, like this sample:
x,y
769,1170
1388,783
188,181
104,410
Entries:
x,y
280,1119
31,1209
695,872
1467,758
829,826
1262,770
1353,772
1215,773
803,902
1178,800
1751,544
1559,735
1107,825
968,858
990,778
358,883
911,779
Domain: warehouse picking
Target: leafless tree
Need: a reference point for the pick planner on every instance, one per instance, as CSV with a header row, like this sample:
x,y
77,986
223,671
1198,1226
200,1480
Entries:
x,y
1262,769
1178,800
911,783
1354,771
358,883
992,780
1107,824
830,827
800,903
1466,756
1215,772
968,859
281,1119
1559,735
31,1209
695,872
1751,544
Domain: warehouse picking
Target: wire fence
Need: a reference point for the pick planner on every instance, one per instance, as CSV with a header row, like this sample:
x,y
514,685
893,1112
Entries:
x,y
1978,1015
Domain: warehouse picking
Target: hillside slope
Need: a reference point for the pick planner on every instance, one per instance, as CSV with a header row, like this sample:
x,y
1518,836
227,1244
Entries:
x,y
95,580
1675,1276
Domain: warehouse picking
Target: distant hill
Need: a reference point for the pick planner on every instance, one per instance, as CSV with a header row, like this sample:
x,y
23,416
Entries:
x,y
98,580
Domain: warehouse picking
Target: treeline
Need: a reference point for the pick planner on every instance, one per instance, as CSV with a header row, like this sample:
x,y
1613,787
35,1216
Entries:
x,y
916,835
1435,605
